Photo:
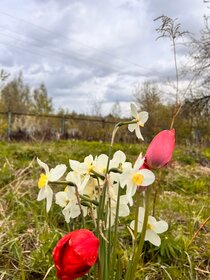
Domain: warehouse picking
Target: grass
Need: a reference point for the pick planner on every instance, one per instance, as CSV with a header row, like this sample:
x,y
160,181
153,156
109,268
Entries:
x,y
28,234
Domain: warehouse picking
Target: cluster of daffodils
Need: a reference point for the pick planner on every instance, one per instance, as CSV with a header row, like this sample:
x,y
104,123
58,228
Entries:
x,y
85,182
105,188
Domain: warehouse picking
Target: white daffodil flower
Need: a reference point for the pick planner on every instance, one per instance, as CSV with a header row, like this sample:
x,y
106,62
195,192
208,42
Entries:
x,y
90,189
132,178
51,175
140,119
154,227
67,199
101,162
83,167
118,161
79,180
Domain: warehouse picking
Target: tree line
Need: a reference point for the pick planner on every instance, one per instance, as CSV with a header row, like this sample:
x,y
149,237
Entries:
x,y
16,96
189,111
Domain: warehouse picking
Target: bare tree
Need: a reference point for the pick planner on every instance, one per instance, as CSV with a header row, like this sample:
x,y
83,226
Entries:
x,y
200,55
3,75
147,98
199,67
116,110
96,107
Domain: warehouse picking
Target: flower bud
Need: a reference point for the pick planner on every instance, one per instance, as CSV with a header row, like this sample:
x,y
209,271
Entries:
x,y
75,253
160,150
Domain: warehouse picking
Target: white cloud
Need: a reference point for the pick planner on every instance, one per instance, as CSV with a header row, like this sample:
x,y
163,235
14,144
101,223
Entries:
x,y
86,49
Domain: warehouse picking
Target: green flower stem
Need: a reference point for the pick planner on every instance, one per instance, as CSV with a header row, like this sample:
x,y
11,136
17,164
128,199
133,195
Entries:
x,y
115,239
80,206
98,175
125,123
86,198
136,214
101,219
138,251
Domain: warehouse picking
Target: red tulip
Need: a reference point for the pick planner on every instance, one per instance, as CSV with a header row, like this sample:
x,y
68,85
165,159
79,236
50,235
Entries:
x,y
160,150
75,253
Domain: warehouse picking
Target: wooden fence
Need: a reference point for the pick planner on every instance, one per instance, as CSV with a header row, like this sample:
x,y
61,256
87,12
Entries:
x,y
19,126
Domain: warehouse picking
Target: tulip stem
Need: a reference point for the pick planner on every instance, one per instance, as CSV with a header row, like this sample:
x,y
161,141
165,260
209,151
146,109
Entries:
x,y
157,187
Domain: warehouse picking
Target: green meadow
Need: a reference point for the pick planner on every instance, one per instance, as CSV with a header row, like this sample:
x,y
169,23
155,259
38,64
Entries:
x,y
28,234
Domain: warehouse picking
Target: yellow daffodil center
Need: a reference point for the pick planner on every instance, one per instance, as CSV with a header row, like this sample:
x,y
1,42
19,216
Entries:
x,y
90,167
42,180
104,170
150,227
137,179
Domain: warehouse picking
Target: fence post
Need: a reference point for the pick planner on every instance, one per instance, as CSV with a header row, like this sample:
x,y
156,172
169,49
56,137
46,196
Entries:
x,y
63,125
9,124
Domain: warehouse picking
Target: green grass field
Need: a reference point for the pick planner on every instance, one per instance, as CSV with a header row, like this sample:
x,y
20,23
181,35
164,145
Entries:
x,y
28,234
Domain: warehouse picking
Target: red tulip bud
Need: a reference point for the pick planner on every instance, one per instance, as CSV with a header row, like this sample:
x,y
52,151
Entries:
x,y
160,150
75,253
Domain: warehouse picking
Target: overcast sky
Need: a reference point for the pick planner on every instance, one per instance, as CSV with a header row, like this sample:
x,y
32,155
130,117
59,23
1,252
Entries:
x,y
92,50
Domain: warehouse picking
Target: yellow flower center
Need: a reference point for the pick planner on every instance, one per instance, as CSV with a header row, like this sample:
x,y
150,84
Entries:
x,y
137,179
104,170
42,180
150,227
90,167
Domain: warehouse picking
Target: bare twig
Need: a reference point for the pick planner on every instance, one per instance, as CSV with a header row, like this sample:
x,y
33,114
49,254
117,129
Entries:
x,y
200,228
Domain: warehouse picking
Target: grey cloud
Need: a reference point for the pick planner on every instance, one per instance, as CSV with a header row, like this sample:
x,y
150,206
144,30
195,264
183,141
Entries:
x,y
87,48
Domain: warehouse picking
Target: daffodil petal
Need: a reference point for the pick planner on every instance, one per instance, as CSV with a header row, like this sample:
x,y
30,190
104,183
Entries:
x,y
132,127
74,177
134,111
143,117
49,198
124,178
43,165
124,210
57,172
152,237
88,159
139,226
41,194
83,184
152,221
138,133
61,199
74,164
139,162
119,157
160,227
101,163
75,211
67,212
141,214
132,225
149,177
